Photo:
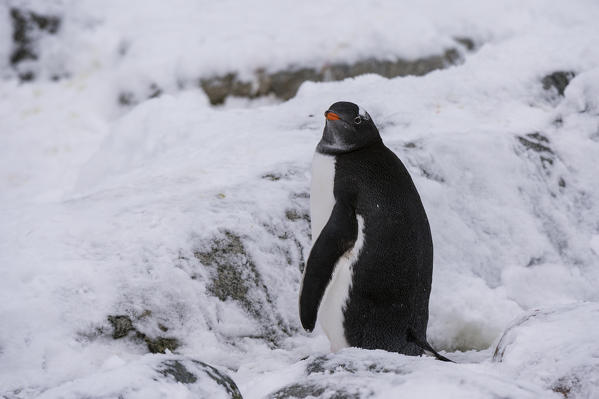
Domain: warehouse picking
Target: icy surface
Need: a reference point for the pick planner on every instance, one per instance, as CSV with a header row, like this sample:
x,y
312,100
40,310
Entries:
x,y
192,221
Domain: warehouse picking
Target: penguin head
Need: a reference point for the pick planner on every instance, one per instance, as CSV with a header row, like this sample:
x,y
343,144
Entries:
x,y
348,128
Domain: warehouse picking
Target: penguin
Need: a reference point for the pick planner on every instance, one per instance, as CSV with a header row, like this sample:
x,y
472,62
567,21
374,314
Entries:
x,y
368,276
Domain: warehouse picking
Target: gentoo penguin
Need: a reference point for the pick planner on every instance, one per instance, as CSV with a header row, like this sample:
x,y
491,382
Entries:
x,y
368,276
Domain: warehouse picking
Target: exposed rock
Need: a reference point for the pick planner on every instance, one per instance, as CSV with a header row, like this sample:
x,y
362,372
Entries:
x,y
359,373
160,344
301,391
234,271
178,371
235,277
293,215
284,84
27,28
191,371
558,80
122,325
540,145
534,346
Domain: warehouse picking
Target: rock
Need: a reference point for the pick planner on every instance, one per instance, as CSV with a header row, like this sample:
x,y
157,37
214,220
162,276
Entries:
x,y
160,344
300,391
122,325
235,277
556,348
234,271
27,28
359,373
558,81
178,371
148,377
191,371
285,84
538,144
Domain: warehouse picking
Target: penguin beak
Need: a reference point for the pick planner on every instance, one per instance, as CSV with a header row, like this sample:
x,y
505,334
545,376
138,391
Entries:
x,y
331,116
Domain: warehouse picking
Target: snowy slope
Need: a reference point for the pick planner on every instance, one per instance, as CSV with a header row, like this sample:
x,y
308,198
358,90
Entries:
x,y
189,223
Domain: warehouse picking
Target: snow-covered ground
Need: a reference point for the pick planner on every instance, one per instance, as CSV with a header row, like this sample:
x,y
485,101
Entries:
x,y
188,223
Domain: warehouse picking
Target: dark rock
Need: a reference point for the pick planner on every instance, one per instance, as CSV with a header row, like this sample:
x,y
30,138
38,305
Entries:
x,y
535,260
126,99
235,277
535,142
178,371
285,84
155,91
219,87
558,80
293,215
234,270
432,175
272,176
317,365
221,379
122,325
561,182
466,42
566,386
27,28
160,344
300,391
191,371
539,144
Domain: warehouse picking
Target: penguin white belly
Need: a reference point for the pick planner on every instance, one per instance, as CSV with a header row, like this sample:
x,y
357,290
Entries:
x,y
322,199
334,300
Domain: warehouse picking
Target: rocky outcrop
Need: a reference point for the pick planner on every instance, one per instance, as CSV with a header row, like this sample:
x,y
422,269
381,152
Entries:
x,y
358,373
534,346
284,84
122,325
193,372
28,26
557,81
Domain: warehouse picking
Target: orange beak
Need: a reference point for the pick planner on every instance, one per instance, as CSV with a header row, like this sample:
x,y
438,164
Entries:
x,y
331,116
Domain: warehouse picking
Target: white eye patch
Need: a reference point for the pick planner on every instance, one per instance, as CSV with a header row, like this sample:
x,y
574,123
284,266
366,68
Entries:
x,y
362,112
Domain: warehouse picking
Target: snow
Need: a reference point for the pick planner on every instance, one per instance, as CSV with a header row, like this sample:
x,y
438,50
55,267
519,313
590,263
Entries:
x,y
115,210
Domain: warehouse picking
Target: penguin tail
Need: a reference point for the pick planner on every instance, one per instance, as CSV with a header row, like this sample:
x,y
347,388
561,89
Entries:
x,y
426,346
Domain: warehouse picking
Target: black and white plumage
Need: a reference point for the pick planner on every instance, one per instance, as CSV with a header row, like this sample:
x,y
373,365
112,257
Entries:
x,y
368,276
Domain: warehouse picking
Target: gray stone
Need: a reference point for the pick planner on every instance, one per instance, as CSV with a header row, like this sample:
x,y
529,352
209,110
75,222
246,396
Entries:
x,y
121,324
27,27
191,371
285,84
558,80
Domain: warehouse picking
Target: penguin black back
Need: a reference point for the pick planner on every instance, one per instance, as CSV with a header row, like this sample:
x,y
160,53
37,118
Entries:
x,y
373,256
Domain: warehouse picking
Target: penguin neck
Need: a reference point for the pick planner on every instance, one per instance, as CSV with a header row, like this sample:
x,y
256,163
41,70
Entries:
x,y
334,149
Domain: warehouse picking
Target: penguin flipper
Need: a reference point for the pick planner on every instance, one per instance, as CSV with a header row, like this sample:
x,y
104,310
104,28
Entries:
x,y
337,237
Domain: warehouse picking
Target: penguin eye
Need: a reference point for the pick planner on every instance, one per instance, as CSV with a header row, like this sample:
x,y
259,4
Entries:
x,y
357,120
